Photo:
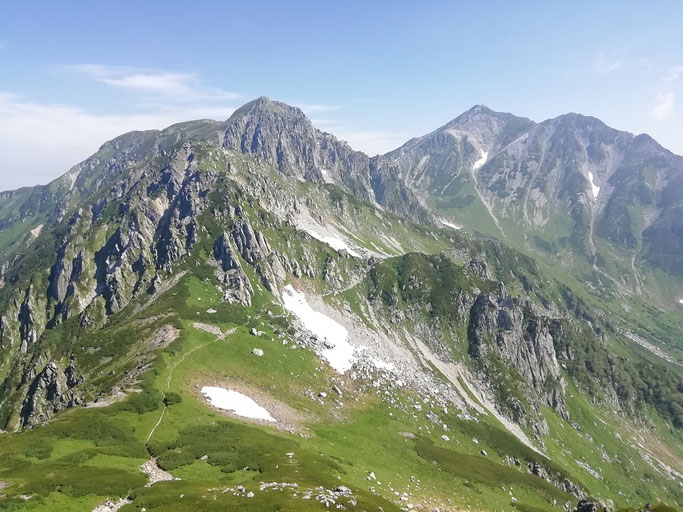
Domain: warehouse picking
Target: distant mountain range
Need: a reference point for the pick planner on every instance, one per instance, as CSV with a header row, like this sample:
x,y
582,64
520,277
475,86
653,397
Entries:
x,y
493,306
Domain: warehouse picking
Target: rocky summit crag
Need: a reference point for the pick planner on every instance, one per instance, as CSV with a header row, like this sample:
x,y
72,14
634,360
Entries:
x,y
486,318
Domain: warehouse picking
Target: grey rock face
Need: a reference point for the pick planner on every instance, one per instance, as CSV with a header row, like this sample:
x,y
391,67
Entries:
x,y
590,506
252,245
510,328
27,322
431,161
51,391
556,479
223,253
231,272
541,176
479,268
284,137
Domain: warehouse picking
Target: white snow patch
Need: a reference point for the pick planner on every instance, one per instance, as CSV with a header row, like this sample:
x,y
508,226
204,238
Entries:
x,y
422,162
72,175
340,353
392,242
327,178
382,365
680,301
450,224
36,231
211,310
236,402
336,243
481,161
594,187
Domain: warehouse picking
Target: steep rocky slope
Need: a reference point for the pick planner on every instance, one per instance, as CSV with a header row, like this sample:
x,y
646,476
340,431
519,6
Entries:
x,y
264,236
569,185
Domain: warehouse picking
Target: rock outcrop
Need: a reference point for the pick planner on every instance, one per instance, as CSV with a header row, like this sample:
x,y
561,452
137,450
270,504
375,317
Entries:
x,y
591,506
230,272
285,138
511,329
53,389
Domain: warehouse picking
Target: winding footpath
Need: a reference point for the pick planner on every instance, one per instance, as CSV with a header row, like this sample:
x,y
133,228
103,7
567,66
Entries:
x,y
180,361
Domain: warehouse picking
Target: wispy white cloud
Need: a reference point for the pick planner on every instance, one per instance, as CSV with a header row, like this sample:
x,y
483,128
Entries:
x,y
606,63
664,104
673,73
371,142
314,109
157,83
324,124
40,141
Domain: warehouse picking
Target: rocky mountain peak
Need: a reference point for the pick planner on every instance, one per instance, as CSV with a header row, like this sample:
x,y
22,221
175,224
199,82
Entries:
x,y
587,128
481,115
266,110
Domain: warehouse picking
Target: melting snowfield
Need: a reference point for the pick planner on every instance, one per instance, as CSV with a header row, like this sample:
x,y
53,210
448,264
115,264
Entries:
x,y
336,243
594,187
338,352
236,402
450,225
481,161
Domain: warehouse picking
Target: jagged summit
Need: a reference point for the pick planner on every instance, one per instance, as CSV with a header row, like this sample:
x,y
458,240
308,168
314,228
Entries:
x,y
481,114
283,136
265,106
572,166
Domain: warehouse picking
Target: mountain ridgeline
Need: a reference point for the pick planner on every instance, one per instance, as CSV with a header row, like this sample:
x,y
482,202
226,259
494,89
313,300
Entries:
x,y
501,296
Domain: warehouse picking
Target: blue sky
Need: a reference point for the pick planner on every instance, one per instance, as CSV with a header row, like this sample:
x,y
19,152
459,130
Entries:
x,y
74,74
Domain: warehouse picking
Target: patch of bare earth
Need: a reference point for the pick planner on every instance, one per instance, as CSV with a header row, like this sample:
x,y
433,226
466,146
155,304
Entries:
x,y
117,396
652,444
151,319
163,337
210,328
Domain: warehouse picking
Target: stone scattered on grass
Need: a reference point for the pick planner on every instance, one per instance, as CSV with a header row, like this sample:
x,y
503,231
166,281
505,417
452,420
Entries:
x,y
111,505
155,473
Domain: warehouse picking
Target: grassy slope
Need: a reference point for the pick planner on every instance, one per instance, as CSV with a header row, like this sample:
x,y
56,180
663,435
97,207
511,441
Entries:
x,y
86,455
